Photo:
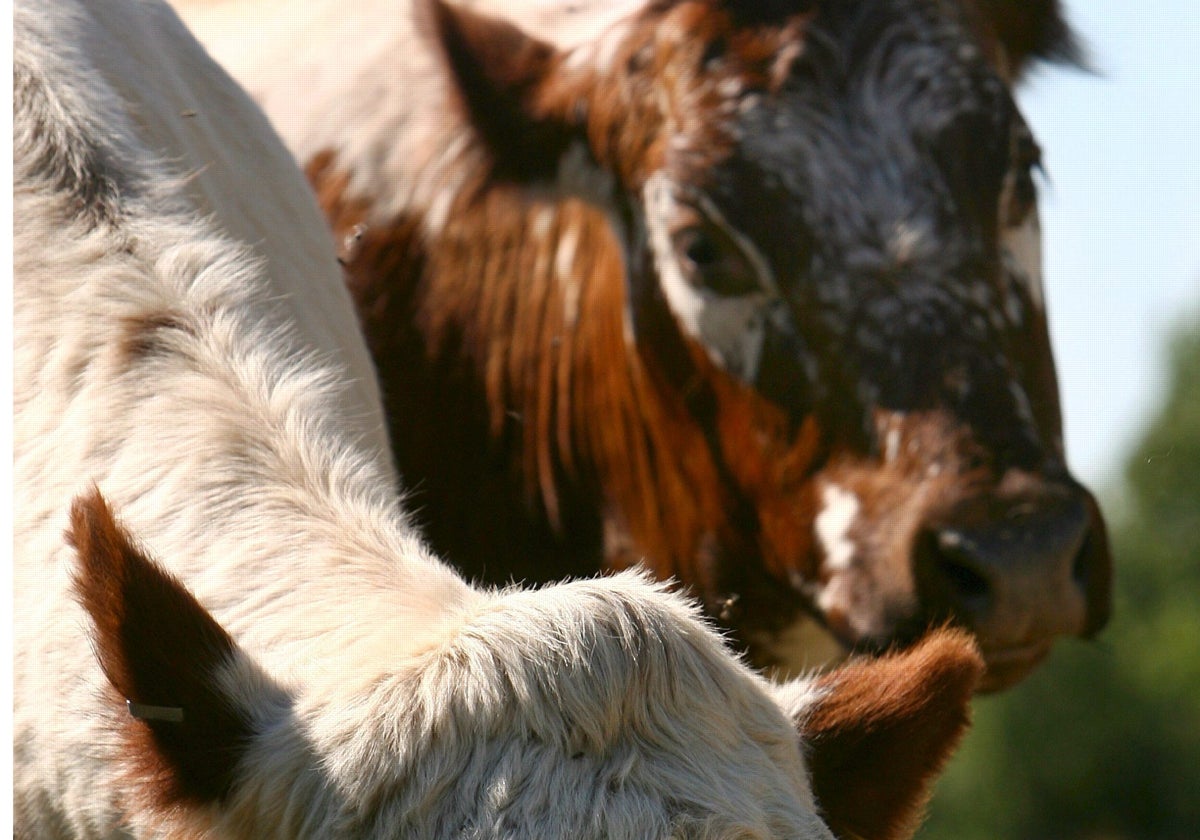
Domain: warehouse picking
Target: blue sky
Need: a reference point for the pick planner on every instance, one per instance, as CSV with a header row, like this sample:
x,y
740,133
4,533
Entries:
x,y
1121,215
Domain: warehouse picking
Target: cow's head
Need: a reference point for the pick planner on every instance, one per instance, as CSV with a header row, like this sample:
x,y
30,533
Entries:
x,y
832,206
586,710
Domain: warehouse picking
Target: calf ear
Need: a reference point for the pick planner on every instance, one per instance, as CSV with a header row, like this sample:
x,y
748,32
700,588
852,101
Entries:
x,y
509,85
880,730
1029,30
162,652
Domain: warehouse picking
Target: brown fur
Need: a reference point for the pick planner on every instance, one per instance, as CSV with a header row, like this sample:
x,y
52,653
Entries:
x,y
157,646
912,707
700,479
144,335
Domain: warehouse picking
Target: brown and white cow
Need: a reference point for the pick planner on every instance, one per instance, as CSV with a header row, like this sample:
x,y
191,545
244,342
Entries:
x,y
746,292
292,662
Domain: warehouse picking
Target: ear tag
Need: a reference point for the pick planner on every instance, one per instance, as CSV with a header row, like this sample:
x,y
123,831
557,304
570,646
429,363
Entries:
x,y
144,711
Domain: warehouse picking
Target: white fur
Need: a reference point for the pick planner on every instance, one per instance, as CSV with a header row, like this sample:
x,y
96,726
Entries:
x,y
839,509
1023,247
243,449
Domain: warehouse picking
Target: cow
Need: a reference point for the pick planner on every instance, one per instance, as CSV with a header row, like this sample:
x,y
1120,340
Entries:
x,y
226,624
747,293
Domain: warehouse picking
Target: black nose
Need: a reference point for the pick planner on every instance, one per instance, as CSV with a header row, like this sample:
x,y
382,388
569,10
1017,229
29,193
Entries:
x,y
1018,570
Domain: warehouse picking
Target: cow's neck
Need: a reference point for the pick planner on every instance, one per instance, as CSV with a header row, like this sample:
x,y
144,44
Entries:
x,y
306,522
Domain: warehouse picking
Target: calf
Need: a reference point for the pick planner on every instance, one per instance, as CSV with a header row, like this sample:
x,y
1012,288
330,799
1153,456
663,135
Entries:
x,y
745,292
293,662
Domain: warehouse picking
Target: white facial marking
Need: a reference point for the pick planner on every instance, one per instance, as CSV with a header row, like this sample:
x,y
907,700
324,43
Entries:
x,y
685,301
908,242
731,329
832,526
839,598
892,445
1023,244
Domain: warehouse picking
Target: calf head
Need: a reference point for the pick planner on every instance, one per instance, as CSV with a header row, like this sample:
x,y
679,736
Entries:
x,y
828,214
593,709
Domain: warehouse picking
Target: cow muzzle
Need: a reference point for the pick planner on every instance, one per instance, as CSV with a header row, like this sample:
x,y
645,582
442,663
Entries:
x,y
1019,567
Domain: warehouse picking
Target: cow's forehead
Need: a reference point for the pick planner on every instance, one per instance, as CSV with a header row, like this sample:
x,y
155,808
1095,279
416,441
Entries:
x,y
687,85
882,80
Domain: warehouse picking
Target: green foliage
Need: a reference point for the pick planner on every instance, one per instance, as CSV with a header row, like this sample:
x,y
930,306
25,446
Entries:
x,y
1103,742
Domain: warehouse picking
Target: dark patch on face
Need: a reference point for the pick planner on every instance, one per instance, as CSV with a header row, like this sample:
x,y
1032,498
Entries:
x,y
877,180
878,169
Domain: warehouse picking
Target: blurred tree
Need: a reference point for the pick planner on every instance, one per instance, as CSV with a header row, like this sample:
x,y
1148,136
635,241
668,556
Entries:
x,y
1103,742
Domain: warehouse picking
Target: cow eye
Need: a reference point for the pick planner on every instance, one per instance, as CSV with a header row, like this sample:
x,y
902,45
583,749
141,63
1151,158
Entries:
x,y
712,260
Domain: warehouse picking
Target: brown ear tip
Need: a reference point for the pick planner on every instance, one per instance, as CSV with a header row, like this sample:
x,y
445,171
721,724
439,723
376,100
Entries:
x,y
954,645
885,729
105,555
89,510
950,658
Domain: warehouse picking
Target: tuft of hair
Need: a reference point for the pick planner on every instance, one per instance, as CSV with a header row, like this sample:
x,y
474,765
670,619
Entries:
x,y
1034,30
157,646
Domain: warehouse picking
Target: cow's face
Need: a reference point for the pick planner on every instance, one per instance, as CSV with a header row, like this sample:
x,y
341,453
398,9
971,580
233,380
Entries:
x,y
836,204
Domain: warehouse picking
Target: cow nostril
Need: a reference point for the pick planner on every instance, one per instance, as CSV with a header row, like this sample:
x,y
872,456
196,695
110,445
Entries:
x,y
1017,569
950,576
968,582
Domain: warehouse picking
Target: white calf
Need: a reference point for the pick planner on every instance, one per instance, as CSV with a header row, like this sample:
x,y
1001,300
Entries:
x,y
185,352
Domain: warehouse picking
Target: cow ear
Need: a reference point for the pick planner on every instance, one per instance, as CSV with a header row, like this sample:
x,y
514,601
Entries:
x,y
879,731
1029,30
509,86
183,736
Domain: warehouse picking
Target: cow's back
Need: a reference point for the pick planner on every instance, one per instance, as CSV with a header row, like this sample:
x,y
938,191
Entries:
x,y
225,155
